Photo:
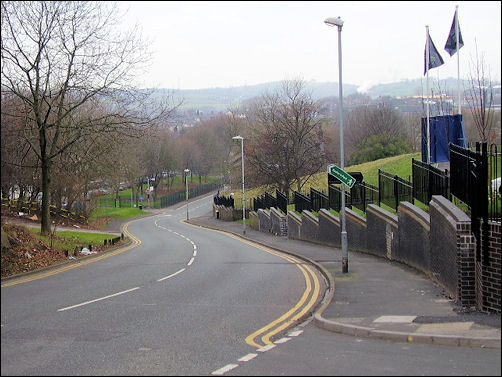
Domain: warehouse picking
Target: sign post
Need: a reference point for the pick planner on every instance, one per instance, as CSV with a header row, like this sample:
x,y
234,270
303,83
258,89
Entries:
x,y
348,180
342,175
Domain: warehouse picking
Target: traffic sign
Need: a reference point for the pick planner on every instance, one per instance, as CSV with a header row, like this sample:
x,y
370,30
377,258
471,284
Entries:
x,y
342,175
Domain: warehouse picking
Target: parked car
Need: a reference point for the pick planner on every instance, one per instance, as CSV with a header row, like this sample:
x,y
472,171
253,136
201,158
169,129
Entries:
x,y
496,185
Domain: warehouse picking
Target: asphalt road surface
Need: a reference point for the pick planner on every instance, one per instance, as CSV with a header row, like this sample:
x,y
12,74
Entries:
x,y
184,300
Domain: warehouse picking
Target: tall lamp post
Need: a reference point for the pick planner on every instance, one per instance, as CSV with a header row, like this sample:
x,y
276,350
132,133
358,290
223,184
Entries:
x,y
243,197
186,187
332,21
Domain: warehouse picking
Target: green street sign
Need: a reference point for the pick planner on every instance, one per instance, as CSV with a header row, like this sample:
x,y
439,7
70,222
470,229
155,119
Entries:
x,y
342,175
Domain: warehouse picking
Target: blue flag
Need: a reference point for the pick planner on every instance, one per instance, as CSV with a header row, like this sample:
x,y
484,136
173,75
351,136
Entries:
x,y
451,42
435,60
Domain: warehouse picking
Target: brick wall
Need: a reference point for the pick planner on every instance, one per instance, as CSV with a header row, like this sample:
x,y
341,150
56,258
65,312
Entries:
x,y
310,227
253,221
329,228
488,275
355,226
279,222
294,225
414,242
264,220
382,231
452,250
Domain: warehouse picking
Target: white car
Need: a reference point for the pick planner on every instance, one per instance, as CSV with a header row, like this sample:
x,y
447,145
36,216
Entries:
x,y
496,185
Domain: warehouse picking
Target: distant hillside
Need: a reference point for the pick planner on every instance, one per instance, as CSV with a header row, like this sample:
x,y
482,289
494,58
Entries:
x,y
416,87
224,98
218,99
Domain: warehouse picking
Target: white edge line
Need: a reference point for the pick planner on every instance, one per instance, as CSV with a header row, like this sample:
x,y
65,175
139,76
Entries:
x,y
190,262
282,340
225,369
266,348
248,357
295,333
98,299
170,276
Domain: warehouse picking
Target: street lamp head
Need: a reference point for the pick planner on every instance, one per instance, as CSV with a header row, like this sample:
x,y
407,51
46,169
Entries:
x,y
238,137
332,21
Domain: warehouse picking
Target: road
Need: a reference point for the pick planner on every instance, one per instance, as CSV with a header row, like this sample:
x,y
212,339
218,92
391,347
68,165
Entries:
x,y
184,300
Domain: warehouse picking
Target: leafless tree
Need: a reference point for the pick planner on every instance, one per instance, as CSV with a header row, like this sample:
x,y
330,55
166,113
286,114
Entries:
x,y
365,121
480,98
72,70
285,142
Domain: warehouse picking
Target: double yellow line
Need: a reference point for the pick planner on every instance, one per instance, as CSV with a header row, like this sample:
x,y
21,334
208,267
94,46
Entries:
x,y
306,302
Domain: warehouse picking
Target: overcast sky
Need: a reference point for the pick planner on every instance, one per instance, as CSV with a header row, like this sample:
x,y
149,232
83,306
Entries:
x,y
223,44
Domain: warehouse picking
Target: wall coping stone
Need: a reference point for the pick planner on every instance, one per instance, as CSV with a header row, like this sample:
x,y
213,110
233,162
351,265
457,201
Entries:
x,y
277,212
310,216
326,213
382,213
419,214
452,210
356,217
266,213
295,217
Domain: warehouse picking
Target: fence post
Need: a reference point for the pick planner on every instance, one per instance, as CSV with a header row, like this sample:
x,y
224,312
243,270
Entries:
x,y
396,192
379,189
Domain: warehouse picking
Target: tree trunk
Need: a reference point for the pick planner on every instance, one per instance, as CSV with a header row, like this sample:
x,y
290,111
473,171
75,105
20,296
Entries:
x,y
46,213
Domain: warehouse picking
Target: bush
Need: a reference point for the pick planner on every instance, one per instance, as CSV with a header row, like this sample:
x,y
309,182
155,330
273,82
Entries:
x,y
379,146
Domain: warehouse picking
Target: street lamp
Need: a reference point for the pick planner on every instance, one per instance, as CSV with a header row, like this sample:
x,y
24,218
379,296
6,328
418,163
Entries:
x,y
332,21
186,187
243,198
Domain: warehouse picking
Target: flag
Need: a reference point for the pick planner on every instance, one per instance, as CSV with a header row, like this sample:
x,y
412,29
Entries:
x,y
451,42
435,60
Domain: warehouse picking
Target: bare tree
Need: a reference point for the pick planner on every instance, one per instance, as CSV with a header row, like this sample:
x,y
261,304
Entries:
x,y
480,98
285,144
72,71
366,121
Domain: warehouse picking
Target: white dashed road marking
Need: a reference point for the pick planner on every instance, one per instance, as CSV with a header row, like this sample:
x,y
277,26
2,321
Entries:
x,y
98,299
282,340
170,276
225,369
295,333
266,348
248,357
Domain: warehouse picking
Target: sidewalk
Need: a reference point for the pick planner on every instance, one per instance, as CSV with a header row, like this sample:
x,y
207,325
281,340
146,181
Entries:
x,y
379,298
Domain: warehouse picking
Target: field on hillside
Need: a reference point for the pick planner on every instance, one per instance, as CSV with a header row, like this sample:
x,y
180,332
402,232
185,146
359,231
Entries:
x,y
396,165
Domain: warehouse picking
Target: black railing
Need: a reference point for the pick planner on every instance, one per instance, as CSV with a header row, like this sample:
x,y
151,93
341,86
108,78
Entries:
x,y
318,199
469,183
302,202
226,201
270,201
393,189
428,180
258,203
282,201
335,197
362,194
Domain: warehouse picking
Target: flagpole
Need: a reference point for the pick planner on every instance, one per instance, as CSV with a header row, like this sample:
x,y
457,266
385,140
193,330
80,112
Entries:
x,y
458,58
427,89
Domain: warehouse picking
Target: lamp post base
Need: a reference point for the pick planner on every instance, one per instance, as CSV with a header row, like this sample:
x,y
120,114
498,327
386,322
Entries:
x,y
345,266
